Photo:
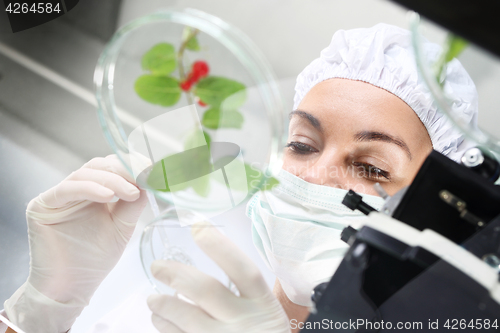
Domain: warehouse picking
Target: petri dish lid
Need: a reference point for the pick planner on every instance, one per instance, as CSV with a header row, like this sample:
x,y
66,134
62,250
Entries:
x,y
192,109
481,67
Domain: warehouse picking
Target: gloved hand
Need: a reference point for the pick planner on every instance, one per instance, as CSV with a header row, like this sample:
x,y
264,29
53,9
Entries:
x,y
76,237
216,309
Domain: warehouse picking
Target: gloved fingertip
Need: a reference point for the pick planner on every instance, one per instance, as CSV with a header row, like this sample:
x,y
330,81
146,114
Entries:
x,y
142,197
153,301
131,190
105,193
136,193
200,230
160,270
112,156
133,196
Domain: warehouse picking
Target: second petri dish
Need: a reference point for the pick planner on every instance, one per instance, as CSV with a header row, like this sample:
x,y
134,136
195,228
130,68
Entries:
x,y
168,238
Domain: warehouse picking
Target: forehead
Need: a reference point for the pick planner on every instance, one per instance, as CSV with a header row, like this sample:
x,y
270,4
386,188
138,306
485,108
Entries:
x,y
360,106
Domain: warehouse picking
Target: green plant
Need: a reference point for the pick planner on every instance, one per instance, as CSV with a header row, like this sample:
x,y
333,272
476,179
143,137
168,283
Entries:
x,y
168,78
454,45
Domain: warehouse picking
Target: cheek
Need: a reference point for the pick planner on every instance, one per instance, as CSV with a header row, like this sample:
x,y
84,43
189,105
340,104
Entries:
x,y
393,188
293,164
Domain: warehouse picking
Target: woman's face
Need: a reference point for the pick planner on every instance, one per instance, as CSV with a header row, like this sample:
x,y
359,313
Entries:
x,y
351,134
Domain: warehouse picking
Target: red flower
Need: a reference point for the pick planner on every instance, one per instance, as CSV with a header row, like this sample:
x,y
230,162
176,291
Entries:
x,y
200,69
186,85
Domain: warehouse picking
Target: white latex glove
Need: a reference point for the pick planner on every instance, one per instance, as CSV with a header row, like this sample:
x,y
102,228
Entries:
x,y
76,237
217,309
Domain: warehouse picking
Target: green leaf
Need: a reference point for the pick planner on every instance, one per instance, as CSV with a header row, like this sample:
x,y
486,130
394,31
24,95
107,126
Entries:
x,y
202,186
157,179
192,140
213,90
162,90
269,184
254,177
207,138
189,37
213,118
454,46
161,59
196,167
234,101
192,44
191,168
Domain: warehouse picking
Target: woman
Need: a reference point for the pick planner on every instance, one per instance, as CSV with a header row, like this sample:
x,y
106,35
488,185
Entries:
x,y
361,115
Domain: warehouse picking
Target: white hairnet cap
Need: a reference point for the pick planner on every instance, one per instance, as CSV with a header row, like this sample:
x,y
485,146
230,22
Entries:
x,y
383,56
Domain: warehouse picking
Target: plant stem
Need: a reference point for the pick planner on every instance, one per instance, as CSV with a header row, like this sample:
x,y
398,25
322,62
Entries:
x,y
180,58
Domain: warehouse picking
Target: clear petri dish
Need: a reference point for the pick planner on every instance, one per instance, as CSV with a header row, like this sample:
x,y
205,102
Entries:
x,y
167,238
482,67
192,109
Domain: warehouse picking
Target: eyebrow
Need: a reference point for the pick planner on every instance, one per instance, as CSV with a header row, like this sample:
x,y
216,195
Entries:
x,y
379,136
313,120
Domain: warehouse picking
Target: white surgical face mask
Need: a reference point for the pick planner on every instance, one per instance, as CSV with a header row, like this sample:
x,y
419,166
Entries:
x,y
296,228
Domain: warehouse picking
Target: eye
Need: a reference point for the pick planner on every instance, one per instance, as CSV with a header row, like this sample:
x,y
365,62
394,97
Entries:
x,y
372,172
301,148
